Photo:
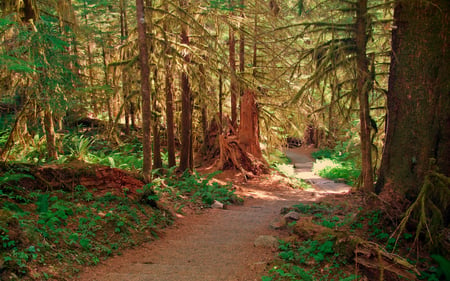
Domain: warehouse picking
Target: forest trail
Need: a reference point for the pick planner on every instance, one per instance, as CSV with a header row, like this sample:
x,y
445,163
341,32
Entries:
x,y
303,164
218,244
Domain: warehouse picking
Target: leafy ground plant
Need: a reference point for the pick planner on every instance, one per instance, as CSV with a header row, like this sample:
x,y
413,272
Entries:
x,y
336,165
322,248
50,234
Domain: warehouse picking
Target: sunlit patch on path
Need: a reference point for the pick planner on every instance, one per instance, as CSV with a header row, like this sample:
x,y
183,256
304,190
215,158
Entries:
x,y
303,165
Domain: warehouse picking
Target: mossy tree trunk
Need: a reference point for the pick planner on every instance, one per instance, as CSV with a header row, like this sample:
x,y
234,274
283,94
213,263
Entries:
x,y
233,81
363,95
186,105
157,160
145,91
418,99
50,136
168,88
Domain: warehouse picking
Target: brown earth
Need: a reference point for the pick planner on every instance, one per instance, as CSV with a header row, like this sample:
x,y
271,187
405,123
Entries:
x,y
218,244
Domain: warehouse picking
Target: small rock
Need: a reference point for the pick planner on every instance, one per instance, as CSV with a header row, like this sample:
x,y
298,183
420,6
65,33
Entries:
x,y
217,205
278,224
292,216
266,241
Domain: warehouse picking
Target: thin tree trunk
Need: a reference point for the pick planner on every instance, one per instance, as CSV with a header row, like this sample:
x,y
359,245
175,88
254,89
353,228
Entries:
x,y
220,102
145,90
157,161
186,107
241,51
233,84
169,97
49,127
106,83
90,65
255,47
125,79
169,111
363,95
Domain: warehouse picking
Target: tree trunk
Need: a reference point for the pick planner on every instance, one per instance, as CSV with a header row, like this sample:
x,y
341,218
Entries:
x,y
168,88
169,113
363,95
186,106
418,98
248,127
157,161
49,127
125,79
241,50
145,91
233,82
220,102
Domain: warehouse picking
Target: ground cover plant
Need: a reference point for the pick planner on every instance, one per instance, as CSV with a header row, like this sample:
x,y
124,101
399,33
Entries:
x,y
346,242
340,163
52,233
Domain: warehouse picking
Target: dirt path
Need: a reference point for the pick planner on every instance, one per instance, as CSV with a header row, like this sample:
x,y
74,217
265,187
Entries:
x,y
216,245
303,165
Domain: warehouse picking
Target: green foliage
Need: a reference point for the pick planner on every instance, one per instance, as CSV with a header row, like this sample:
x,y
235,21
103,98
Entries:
x,y
225,5
78,146
337,163
444,267
309,260
200,189
74,228
127,156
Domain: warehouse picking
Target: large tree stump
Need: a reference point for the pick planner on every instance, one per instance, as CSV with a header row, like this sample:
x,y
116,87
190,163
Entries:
x,y
232,155
249,125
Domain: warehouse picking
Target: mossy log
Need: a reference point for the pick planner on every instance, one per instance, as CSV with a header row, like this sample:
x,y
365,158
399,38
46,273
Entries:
x,y
68,176
369,257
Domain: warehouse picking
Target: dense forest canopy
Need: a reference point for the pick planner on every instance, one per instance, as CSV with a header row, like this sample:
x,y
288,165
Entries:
x,y
194,81
299,56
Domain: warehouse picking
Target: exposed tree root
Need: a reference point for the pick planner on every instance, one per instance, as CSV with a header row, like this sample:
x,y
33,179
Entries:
x,y
430,209
232,155
374,258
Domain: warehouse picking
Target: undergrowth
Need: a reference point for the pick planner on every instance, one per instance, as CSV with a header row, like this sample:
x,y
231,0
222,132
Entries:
x,y
52,234
318,254
339,163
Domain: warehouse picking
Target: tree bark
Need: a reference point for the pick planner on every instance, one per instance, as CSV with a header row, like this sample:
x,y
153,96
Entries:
x,y
50,134
363,95
169,97
248,127
186,106
233,83
145,91
157,161
241,50
125,79
418,97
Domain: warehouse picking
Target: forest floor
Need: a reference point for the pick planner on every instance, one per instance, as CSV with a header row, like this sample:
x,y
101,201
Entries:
x,y
219,244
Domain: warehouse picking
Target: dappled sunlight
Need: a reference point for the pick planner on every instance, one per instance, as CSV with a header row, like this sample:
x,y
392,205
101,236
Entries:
x,y
264,195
